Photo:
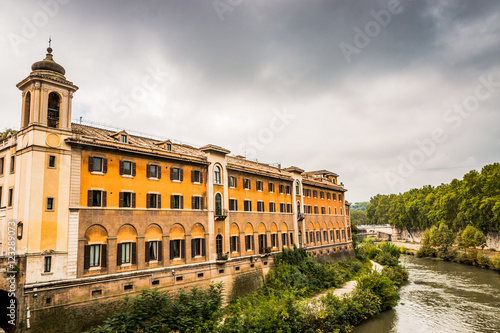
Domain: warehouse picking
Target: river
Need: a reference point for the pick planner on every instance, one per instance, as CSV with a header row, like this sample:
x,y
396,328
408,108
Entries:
x,y
442,297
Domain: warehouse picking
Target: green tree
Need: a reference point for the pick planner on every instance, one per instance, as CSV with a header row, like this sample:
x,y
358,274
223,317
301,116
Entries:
x,y
358,217
473,237
441,236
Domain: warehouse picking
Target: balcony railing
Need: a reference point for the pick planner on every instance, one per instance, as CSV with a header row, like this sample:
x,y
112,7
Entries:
x,y
221,214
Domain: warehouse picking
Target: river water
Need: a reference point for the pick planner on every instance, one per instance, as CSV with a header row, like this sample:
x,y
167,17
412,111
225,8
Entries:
x,y
442,297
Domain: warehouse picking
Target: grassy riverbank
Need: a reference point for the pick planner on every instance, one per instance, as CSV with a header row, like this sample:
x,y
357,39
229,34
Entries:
x,y
286,303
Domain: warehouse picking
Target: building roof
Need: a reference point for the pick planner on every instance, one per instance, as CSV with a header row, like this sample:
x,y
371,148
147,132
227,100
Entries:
x,y
94,136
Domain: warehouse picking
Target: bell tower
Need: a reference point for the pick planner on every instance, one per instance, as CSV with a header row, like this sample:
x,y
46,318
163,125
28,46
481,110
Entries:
x,y
47,95
45,164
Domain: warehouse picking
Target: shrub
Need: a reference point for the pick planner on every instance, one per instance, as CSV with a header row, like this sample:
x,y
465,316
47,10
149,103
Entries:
x,y
381,286
495,261
154,311
426,252
397,274
386,259
484,261
446,254
403,250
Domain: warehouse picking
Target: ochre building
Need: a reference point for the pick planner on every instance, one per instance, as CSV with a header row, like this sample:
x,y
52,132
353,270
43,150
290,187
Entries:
x,y
97,214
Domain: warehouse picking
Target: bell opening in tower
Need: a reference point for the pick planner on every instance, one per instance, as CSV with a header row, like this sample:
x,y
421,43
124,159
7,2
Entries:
x,y
53,110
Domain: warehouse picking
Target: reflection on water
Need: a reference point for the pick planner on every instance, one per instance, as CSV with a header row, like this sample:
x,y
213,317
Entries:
x,y
442,297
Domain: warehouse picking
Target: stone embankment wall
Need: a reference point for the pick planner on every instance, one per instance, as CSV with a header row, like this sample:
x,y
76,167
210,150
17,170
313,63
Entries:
x,y
492,239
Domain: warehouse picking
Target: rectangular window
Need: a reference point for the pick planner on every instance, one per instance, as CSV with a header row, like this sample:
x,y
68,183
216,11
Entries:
x,y
246,183
328,195
123,138
272,207
330,210
315,194
169,146
234,243
331,235
2,163
323,210
337,233
260,206
126,249
232,181
197,247
340,197
335,210
311,236
176,174
325,236
308,193
176,201
341,211
95,255
152,248
12,164
153,171
247,205
334,196
197,202
321,195
260,186
287,188
98,164
282,189
284,239
289,208
47,263
343,234
309,209
274,240
11,197
96,198
127,199
282,207
177,247
127,168
291,239
318,236
271,187
316,211
196,176
50,203
153,200
248,242
233,204
52,161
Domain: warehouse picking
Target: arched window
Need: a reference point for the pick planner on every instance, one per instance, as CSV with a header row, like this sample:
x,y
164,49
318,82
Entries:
x,y
27,109
217,175
218,204
53,110
218,244
95,250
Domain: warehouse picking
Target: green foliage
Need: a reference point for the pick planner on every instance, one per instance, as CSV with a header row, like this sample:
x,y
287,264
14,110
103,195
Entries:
x,y
441,236
426,251
6,133
155,311
473,200
358,217
396,273
359,206
472,237
382,286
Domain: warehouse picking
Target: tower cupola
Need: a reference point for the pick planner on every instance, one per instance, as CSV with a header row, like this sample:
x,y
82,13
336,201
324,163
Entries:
x,y
47,95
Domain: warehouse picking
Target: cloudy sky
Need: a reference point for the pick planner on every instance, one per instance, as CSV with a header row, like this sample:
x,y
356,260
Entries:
x,y
390,95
